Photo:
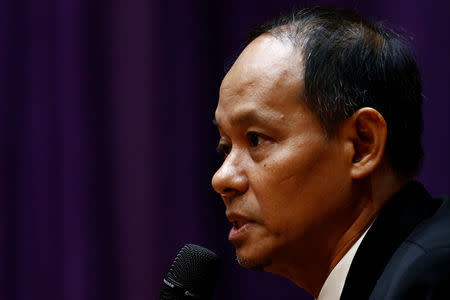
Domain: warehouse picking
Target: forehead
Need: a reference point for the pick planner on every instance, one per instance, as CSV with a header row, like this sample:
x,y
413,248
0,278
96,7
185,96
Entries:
x,y
267,78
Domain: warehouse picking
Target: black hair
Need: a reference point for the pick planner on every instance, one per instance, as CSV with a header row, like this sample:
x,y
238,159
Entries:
x,y
351,63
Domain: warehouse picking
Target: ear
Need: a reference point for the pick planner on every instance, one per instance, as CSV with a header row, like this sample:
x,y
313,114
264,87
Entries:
x,y
366,131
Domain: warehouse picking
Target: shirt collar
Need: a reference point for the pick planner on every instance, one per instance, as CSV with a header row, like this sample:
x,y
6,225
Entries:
x,y
332,287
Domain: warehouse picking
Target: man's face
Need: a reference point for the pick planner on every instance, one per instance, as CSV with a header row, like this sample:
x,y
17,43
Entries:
x,y
284,183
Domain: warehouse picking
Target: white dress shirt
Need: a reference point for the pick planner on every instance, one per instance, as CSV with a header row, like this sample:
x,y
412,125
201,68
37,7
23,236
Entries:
x,y
333,285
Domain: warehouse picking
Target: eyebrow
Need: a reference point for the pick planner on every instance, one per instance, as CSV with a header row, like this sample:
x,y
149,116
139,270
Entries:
x,y
245,118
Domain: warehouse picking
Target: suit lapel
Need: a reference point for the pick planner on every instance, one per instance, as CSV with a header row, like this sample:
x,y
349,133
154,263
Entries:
x,y
396,220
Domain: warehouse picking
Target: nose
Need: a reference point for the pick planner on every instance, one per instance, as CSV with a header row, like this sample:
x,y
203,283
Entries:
x,y
231,179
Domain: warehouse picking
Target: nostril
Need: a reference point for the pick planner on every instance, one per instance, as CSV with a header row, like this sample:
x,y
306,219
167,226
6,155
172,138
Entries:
x,y
227,191
229,194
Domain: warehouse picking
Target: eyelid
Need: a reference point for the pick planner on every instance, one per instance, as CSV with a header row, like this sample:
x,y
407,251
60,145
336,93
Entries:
x,y
256,133
224,147
220,148
260,135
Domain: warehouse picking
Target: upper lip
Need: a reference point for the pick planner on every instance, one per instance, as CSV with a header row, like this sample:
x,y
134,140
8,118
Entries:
x,y
237,219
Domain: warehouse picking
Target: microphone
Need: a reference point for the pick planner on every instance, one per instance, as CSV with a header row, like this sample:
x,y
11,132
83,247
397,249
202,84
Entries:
x,y
193,275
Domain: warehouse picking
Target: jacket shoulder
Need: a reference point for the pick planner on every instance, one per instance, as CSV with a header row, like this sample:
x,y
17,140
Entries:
x,y
434,232
420,268
424,274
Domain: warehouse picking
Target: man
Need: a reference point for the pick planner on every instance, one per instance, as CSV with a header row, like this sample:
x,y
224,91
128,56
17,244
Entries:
x,y
320,125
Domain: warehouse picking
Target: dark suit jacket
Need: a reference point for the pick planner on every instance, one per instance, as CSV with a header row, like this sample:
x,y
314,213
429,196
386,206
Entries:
x,y
406,252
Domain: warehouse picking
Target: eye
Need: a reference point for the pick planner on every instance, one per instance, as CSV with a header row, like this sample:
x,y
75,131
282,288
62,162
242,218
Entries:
x,y
254,139
223,148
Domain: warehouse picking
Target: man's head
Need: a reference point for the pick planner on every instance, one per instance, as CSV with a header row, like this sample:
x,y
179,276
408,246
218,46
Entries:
x,y
305,116
350,63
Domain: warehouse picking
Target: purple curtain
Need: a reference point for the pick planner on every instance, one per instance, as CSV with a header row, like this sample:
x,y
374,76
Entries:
x,y
107,145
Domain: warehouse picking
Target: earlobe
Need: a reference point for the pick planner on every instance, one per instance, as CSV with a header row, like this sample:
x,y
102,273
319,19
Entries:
x,y
369,141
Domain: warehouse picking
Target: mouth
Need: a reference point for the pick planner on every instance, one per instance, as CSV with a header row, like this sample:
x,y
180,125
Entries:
x,y
241,226
238,224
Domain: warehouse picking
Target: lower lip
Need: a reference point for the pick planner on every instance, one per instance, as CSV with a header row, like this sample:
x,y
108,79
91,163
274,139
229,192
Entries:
x,y
236,233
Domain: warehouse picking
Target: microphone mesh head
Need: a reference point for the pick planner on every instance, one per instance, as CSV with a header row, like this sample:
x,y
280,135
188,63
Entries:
x,y
195,269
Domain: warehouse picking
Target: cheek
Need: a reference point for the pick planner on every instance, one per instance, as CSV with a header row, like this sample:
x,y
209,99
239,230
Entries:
x,y
295,186
291,171
276,191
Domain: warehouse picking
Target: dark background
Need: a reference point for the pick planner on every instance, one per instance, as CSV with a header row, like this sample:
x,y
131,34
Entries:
x,y
107,145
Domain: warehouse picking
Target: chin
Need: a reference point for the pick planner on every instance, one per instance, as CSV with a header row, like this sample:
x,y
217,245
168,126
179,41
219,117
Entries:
x,y
253,262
